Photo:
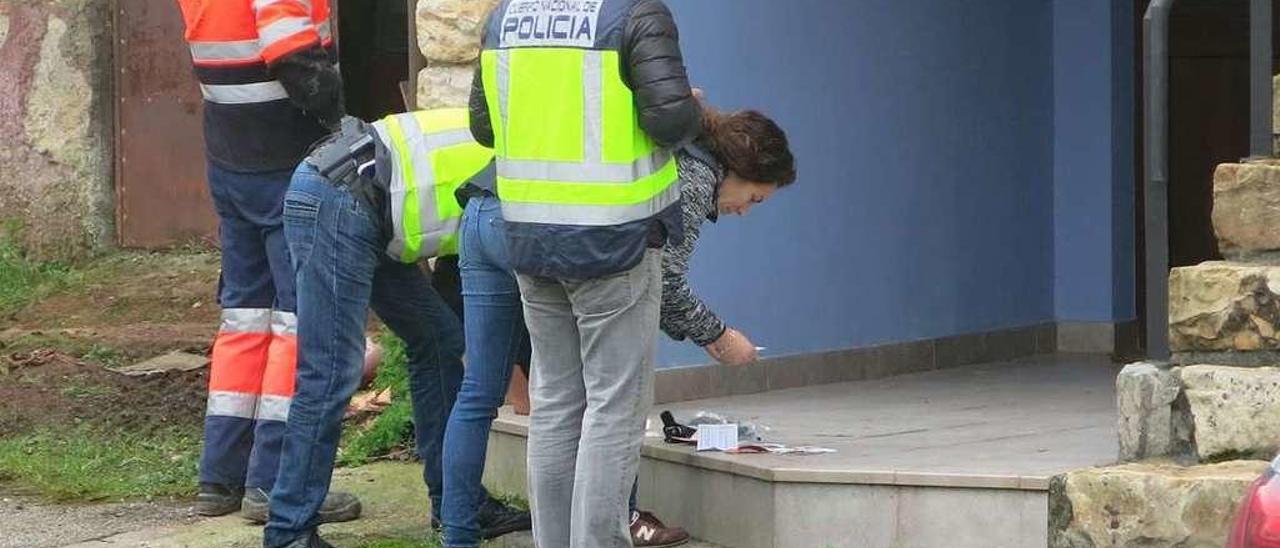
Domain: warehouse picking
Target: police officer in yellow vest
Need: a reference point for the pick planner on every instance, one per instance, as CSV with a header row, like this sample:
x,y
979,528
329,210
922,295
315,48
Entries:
x,y
582,102
360,212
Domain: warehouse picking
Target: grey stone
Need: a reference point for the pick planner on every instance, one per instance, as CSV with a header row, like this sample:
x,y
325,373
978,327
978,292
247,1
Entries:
x,y
1234,410
1223,306
1147,505
444,85
1149,425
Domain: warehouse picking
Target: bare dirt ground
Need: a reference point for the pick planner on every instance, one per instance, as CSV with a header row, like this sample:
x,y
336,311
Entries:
x,y
56,360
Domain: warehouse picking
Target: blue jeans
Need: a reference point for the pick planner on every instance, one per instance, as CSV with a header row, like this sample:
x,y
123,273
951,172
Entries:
x,y
342,271
494,330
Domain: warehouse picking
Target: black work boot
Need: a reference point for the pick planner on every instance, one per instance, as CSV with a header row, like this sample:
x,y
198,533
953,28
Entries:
x,y
218,500
337,507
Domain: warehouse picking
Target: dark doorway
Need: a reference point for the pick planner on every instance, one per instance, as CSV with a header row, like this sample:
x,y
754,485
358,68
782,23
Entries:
x,y
374,43
1208,116
1208,120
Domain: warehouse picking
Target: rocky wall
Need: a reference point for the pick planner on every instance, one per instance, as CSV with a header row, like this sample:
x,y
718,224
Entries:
x,y
56,125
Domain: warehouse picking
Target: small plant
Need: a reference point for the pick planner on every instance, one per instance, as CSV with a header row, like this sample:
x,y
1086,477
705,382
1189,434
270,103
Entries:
x,y
391,430
104,355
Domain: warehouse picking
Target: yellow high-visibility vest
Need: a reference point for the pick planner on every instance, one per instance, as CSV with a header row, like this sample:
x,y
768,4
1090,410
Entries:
x,y
432,153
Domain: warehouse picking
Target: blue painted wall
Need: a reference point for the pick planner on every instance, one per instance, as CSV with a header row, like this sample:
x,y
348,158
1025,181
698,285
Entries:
x,y
1093,160
925,136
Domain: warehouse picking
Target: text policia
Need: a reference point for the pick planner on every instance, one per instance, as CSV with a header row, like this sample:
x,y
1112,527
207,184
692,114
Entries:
x,y
550,22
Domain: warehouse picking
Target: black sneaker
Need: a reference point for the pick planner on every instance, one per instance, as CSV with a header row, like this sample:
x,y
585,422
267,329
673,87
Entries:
x,y
497,519
337,507
218,500
312,540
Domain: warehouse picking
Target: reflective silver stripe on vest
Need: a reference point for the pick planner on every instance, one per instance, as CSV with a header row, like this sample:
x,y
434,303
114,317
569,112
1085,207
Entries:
x,y
593,103
242,50
395,192
503,60
589,215
273,408
240,94
281,29
448,138
246,320
326,31
231,404
587,172
284,323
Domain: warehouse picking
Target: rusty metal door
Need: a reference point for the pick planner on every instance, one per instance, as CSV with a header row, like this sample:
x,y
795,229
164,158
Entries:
x,y
161,197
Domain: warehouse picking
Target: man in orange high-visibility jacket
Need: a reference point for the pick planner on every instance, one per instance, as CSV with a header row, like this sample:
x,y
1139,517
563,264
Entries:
x,y
267,71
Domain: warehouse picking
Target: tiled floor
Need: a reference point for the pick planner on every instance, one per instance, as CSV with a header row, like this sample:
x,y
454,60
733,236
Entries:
x,y
1028,419
1010,425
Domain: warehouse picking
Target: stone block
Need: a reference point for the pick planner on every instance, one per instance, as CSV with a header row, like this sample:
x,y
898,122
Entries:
x,y
442,85
1224,306
449,30
1246,209
1233,410
1150,424
1147,505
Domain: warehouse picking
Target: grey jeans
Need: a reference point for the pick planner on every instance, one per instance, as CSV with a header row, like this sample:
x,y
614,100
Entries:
x,y
591,388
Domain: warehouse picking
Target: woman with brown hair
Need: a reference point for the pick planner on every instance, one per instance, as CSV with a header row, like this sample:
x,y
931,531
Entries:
x,y
741,159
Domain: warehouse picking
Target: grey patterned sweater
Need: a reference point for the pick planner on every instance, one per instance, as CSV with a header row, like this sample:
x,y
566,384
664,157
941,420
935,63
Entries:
x,y
684,315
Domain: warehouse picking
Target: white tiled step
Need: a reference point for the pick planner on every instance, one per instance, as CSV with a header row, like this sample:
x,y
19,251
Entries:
x,y
956,459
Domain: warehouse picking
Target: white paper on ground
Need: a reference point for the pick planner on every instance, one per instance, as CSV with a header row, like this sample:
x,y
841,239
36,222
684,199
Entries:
x,y
717,437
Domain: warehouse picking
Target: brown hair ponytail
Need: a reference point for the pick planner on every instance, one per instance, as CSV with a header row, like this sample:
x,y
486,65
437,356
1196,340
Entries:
x,y
750,145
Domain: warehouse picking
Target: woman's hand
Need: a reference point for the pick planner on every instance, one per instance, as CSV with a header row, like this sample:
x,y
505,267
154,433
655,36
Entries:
x,y
733,348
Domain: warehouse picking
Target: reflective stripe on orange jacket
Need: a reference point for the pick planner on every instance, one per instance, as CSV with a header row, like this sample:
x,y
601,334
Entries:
x,y
250,124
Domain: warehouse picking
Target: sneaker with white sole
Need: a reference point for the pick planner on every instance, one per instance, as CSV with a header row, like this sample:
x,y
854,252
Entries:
x,y
647,531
